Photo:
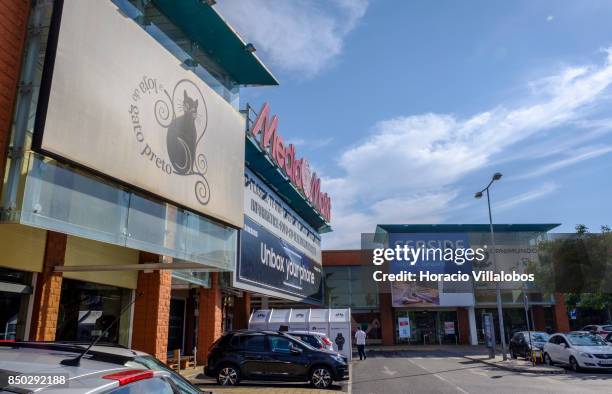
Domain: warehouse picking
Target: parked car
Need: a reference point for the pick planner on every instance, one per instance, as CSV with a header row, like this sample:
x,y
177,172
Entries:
x,y
272,356
97,373
609,338
578,350
317,340
600,329
520,344
114,354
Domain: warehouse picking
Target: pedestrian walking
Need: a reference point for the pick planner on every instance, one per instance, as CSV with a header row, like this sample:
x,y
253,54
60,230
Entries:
x,y
360,337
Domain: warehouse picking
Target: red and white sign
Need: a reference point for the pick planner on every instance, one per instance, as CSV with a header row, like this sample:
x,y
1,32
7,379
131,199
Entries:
x,y
264,130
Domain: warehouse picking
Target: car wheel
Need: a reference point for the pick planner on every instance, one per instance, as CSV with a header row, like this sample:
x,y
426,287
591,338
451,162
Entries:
x,y
513,353
321,377
228,376
548,360
574,364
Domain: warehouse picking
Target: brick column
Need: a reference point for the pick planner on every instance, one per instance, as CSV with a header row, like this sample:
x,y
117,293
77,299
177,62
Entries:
x,y
539,320
560,311
242,311
13,24
152,309
463,323
48,289
210,318
387,328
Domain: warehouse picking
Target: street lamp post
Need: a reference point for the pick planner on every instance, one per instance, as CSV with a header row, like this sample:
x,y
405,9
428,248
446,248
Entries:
x,y
497,176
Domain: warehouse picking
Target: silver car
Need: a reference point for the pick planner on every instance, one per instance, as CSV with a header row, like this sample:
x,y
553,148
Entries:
x,y
316,339
37,367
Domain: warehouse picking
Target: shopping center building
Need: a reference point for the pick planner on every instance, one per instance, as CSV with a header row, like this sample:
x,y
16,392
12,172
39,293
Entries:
x,y
134,187
442,312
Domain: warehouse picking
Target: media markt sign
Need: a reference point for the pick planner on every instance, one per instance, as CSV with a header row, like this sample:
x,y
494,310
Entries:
x,y
264,130
124,107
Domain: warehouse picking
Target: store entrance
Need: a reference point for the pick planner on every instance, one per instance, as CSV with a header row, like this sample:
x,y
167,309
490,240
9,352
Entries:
x,y
426,327
15,293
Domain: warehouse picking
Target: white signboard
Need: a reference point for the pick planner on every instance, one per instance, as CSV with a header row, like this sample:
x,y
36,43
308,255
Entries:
x,y
122,105
403,324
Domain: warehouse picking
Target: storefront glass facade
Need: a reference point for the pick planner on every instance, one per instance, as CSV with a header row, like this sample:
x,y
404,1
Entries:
x,y
15,293
87,310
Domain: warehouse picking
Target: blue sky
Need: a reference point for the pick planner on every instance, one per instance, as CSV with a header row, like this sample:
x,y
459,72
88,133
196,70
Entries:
x,y
406,108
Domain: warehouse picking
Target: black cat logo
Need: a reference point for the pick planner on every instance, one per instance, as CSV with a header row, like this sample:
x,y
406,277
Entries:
x,y
185,117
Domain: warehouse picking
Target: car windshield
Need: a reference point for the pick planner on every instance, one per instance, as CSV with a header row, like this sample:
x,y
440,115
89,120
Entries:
x,y
155,365
586,340
607,328
539,336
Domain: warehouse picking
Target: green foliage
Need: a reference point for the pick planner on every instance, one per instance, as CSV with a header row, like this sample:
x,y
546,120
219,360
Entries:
x,y
580,266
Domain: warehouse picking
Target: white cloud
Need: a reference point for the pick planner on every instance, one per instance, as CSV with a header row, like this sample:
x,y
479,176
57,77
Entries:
x,y
298,36
550,18
534,194
408,169
586,153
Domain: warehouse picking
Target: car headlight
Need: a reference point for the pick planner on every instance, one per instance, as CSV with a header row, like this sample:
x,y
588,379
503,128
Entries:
x,y
585,355
338,358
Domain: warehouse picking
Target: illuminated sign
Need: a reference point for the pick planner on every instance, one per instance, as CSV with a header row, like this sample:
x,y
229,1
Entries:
x,y
264,130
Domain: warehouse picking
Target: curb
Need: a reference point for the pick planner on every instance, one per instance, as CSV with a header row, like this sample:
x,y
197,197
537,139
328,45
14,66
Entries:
x,y
525,369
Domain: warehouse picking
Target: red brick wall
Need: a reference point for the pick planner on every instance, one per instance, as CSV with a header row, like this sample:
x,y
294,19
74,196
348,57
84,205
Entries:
x,y
211,315
539,320
13,28
463,323
387,324
242,311
560,311
48,289
345,257
152,310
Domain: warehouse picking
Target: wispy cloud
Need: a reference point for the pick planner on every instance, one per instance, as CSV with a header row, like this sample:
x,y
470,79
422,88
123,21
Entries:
x,y
522,198
411,165
298,36
574,158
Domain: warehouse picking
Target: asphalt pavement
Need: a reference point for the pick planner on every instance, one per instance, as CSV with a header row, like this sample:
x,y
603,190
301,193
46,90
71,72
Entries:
x,y
436,371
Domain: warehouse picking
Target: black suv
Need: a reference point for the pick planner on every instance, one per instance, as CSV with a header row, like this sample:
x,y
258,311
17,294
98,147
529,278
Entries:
x,y
273,356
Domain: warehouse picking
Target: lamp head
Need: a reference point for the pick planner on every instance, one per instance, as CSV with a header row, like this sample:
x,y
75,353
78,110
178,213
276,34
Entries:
x,y
478,195
497,176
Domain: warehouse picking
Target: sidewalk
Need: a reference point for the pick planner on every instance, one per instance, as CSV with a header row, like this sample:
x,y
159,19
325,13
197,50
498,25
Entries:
x,y
516,365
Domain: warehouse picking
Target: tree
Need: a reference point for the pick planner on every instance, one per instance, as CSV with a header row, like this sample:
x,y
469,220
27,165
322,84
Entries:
x,y
580,266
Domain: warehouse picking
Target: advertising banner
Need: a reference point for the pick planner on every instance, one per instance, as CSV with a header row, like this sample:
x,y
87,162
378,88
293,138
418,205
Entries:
x,y
423,293
264,206
271,265
449,328
126,108
403,324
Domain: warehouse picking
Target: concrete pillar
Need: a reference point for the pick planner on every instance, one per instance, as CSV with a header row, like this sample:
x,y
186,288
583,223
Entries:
x,y
473,329
387,327
210,319
560,311
152,309
48,290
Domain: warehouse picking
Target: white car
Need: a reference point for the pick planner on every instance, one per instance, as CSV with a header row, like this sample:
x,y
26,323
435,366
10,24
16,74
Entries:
x,y
314,338
578,350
